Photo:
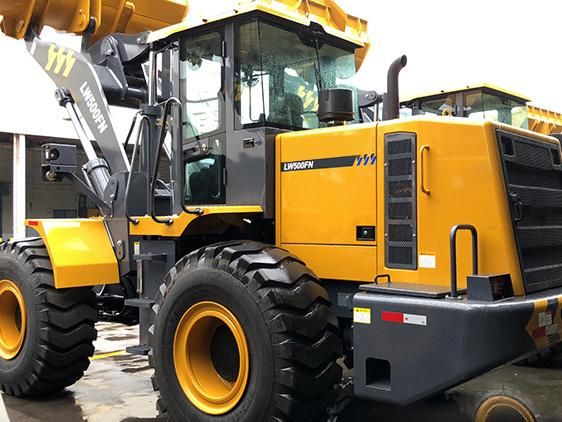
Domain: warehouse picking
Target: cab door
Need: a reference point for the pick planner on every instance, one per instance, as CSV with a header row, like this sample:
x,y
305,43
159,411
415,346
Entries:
x,y
202,87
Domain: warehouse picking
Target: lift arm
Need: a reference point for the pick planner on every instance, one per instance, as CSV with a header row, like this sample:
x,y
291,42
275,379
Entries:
x,y
72,71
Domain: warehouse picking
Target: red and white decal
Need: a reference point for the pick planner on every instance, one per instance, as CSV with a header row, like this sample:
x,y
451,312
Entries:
x,y
401,318
549,330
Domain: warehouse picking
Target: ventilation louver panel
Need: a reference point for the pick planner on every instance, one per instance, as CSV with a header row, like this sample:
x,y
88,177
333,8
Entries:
x,y
400,201
533,176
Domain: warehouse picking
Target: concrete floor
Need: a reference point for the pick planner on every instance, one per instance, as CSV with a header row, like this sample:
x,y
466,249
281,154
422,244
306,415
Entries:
x,y
117,388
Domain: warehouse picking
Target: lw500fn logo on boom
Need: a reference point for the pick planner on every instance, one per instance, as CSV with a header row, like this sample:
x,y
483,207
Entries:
x,y
58,59
93,107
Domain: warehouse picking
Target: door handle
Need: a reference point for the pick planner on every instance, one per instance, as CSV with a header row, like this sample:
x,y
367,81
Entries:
x,y
423,149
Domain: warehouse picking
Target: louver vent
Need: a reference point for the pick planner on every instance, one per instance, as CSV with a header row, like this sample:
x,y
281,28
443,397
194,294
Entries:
x,y
533,177
400,200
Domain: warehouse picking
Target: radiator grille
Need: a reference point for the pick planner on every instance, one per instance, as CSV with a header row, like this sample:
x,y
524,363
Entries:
x,y
533,177
400,201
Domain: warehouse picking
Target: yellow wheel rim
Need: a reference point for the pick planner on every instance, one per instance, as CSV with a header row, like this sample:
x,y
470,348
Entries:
x,y
211,358
13,320
502,407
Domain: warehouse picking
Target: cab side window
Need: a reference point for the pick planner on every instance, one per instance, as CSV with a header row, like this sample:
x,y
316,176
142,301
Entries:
x,y
201,84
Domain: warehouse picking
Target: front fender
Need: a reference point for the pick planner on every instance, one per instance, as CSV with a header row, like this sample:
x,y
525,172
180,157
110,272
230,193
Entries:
x,y
80,251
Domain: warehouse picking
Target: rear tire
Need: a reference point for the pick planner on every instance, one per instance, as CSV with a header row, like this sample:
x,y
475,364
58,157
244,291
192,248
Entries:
x,y
291,333
59,324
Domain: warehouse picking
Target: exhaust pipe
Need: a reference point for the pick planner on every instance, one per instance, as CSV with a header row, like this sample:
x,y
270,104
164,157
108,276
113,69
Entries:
x,y
391,108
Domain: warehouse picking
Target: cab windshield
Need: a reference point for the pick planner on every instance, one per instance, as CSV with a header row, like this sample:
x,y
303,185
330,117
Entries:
x,y
279,73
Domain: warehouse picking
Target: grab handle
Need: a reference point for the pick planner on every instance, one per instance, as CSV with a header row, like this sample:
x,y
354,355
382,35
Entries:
x,y
453,252
423,149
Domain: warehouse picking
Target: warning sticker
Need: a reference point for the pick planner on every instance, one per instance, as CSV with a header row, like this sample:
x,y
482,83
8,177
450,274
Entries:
x,y
362,315
545,319
428,261
552,330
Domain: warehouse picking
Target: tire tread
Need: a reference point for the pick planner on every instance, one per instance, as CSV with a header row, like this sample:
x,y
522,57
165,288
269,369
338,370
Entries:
x,y
66,319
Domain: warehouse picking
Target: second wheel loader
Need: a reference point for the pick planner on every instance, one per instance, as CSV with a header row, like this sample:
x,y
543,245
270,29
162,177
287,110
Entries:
x,y
271,236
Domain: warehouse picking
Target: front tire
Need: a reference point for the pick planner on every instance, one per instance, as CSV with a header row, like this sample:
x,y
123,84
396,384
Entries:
x,y
276,358
55,326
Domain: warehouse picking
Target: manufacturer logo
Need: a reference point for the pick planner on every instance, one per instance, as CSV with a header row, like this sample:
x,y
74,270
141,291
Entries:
x,y
298,165
365,160
94,107
60,60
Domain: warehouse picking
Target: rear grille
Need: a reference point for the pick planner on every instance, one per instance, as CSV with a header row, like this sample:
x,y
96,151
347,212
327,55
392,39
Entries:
x,y
533,176
400,200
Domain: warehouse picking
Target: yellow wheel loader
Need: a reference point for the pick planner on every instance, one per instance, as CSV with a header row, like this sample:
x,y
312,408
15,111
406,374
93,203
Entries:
x,y
270,236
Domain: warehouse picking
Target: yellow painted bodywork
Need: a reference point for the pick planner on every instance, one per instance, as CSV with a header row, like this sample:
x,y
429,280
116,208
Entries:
x,y
80,251
318,210
464,176
73,16
148,227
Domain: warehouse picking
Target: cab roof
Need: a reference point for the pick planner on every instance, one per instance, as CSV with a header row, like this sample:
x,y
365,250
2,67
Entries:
x,y
327,13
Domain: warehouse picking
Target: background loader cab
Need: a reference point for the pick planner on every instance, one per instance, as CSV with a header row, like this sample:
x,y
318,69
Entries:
x,y
478,102
487,102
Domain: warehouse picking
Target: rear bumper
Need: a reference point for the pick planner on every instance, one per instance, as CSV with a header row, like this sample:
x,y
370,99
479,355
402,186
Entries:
x,y
408,348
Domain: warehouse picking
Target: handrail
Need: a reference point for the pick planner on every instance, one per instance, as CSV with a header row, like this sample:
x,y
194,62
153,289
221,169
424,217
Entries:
x,y
179,146
144,119
453,251
154,175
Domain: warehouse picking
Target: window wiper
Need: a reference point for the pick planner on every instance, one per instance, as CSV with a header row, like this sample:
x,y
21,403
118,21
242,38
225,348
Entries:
x,y
317,65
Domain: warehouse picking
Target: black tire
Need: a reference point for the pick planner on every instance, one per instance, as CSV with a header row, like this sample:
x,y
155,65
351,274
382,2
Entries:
x,y
60,324
292,334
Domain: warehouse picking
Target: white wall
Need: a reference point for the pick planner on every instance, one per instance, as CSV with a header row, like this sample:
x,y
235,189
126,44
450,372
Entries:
x,y
27,100
451,44
42,198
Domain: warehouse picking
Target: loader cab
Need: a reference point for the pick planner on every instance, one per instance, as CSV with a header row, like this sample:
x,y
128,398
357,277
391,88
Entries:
x,y
480,102
241,82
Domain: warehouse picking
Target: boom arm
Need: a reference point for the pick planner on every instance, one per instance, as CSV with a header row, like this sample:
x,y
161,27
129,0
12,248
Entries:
x,y
72,71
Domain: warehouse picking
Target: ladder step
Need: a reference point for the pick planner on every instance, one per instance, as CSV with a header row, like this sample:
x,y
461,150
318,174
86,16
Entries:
x,y
140,303
151,257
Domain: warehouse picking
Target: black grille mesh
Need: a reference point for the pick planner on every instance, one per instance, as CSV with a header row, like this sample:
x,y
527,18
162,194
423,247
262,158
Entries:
x,y
533,177
400,201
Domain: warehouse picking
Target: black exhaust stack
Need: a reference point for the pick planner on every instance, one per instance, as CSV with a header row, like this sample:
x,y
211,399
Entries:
x,y
391,107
